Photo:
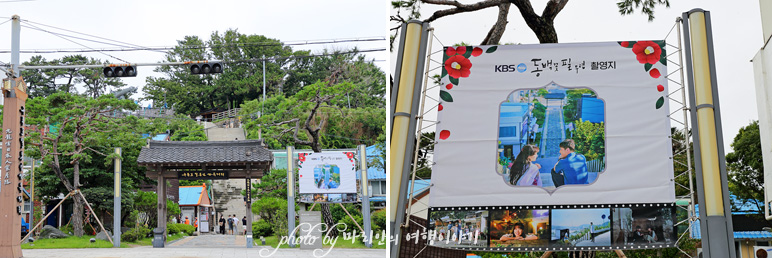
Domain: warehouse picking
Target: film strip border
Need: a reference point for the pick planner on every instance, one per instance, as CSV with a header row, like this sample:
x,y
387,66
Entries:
x,y
552,207
562,206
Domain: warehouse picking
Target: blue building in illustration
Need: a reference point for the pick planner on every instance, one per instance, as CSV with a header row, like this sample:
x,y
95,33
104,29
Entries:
x,y
514,120
591,109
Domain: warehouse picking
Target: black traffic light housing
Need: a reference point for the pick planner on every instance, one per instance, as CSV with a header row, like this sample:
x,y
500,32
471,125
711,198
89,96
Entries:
x,y
206,68
120,71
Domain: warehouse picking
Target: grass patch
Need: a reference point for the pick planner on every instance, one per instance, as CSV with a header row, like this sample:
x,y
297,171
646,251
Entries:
x,y
85,242
341,243
70,242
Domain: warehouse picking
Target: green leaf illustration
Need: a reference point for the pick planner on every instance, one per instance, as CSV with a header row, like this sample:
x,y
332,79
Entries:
x,y
661,44
647,66
663,60
445,96
491,49
660,102
444,72
468,52
454,81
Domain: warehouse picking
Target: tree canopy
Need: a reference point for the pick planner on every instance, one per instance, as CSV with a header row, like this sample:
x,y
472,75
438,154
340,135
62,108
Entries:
x,y
746,168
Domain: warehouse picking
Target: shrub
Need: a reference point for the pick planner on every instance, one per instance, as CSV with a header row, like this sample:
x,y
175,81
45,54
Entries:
x,y
261,228
378,220
135,234
350,226
173,228
67,229
184,228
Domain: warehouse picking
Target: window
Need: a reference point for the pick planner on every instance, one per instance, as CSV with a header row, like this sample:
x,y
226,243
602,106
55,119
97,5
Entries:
x,y
378,187
27,207
508,131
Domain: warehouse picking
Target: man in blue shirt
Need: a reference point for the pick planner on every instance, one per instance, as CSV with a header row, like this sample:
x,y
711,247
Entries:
x,y
572,165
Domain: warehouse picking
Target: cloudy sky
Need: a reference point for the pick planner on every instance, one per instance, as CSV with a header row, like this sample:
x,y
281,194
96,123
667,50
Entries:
x,y
736,32
162,23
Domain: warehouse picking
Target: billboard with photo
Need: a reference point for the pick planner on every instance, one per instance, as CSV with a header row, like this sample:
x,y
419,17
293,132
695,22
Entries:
x,y
549,125
328,198
326,173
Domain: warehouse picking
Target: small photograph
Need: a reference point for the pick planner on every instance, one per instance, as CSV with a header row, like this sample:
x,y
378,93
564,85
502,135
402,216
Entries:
x,y
519,228
581,227
550,137
459,228
639,226
320,198
327,176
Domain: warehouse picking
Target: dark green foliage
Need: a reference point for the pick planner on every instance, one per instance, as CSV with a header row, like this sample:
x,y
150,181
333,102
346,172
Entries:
x,y
180,228
347,224
746,168
590,139
570,109
261,228
147,202
136,233
378,219
41,83
627,7
274,211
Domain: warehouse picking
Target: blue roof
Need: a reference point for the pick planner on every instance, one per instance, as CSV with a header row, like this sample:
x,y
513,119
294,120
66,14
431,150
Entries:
x,y
160,137
374,173
190,195
592,110
696,233
377,199
420,186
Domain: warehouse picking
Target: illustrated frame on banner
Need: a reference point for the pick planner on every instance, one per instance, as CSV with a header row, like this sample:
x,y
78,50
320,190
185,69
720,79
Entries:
x,y
327,173
642,69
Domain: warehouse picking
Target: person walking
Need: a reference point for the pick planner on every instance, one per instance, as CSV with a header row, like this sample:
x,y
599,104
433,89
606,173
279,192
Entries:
x,y
235,224
222,224
244,224
230,225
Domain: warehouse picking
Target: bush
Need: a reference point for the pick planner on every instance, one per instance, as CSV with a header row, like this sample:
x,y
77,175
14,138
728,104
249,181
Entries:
x,y
135,234
184,228
350,226
261,228
378,221
67,229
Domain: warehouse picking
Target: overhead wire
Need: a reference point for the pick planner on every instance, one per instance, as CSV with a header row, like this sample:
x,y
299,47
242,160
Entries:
x,y
77,43
85,34
161,48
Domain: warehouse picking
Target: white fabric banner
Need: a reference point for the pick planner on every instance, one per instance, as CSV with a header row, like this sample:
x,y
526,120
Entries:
x,y
325,173
508,111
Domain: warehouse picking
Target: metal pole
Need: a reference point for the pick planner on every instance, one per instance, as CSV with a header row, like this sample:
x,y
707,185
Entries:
x,y
692,216
291,195
404,111
117,200
365,199
32,195
712,189
15,45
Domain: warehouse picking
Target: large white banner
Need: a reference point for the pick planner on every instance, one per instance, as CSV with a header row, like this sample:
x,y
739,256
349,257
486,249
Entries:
x,y
326,173
553,124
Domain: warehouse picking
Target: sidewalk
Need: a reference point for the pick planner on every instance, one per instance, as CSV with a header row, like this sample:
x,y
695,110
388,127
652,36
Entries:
x,y
193,252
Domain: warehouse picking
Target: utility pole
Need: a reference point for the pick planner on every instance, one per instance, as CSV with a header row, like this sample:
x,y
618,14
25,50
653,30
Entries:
x,y
117,200
365,198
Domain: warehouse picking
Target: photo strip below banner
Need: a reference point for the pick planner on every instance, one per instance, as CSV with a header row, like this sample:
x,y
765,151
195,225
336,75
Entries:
x,y
552,227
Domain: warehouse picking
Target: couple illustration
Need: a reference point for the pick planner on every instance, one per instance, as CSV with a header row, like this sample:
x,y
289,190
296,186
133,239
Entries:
x,y
571,167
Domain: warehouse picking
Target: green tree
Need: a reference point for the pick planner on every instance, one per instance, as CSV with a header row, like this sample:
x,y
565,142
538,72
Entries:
x,y
590,139
84,129
43,82
745,166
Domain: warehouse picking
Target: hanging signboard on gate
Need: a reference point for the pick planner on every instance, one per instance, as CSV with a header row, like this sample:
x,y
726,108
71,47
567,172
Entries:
x,y
553,146
326,173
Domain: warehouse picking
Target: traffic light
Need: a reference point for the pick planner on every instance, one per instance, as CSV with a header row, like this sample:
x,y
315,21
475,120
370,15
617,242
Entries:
x,y
120,71
206,68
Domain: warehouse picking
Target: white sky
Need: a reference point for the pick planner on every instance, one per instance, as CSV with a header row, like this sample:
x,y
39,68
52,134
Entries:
x,y
162,23
736,33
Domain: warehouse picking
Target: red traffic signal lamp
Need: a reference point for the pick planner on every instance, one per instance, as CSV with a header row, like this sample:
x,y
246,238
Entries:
x,y
120,71
206,68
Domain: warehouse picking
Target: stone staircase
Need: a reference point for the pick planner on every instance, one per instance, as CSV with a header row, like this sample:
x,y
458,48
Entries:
x,y
227,199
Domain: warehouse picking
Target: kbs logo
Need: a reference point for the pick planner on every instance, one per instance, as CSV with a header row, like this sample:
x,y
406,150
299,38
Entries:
x,y
510,68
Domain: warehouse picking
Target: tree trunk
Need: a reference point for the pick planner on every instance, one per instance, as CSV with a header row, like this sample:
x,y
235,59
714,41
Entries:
x,y
77,209
327,216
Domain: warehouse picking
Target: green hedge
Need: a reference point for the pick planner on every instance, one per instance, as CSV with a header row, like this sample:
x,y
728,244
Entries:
x,y
261,228
135,234
177,228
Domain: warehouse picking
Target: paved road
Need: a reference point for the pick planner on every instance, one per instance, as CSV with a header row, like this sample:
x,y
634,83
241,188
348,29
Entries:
x,y
600,240
225,246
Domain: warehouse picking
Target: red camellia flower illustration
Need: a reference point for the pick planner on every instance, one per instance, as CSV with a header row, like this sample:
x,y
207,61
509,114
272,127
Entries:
x,y
647,52
444,134
458,66
625,44
350,155
450,51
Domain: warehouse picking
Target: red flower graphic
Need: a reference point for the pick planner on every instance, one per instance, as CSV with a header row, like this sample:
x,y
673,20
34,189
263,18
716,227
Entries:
x,y
655,73
444,134
439,108
624,43
449,86
458,66
647,52
350,155
302,158
477,51
450,51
